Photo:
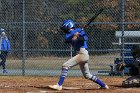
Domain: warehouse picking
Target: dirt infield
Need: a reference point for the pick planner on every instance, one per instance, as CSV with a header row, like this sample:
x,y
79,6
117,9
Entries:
x,y
18,84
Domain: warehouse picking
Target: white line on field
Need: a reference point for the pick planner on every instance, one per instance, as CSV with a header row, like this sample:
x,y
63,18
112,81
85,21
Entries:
x,y
38,91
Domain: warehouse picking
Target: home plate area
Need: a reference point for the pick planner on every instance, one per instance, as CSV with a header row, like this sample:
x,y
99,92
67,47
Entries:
x,y
70,88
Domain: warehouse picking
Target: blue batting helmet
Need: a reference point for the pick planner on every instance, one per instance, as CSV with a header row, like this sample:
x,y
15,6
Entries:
x,y
67,25
2,30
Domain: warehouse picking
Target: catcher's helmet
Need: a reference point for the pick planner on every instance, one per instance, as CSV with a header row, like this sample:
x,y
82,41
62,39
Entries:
x,y
67,25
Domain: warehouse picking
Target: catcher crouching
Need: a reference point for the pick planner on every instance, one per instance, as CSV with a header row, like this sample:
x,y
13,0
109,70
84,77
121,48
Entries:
x,y
134,80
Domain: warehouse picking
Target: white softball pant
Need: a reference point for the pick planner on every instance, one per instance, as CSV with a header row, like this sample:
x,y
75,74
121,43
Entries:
x,y
80,59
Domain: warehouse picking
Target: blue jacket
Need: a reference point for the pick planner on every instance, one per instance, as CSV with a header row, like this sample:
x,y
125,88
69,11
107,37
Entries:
x,y
78,43
5,44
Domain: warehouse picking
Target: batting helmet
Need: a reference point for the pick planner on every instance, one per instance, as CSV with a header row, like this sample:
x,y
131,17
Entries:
x,y
67,25
2,30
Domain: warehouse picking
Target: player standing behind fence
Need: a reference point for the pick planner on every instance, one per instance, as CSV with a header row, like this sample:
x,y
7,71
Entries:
x,y
4,48
78,39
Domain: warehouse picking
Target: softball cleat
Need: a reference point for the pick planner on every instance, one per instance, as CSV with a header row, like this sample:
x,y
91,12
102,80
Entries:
x,y
55,87
106,87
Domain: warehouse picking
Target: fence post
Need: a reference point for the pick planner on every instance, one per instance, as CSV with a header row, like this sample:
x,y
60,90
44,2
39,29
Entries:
x,y
23,28
123,29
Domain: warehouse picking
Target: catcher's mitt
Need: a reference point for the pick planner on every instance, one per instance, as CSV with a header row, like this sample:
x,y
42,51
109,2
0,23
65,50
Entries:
x,y
120,66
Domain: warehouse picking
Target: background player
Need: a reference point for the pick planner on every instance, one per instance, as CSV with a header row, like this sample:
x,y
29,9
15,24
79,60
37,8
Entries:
x,y
78,39
4,48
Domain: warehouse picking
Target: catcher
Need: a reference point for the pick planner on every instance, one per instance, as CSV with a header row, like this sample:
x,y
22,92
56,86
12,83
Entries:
x,y
78,39
134,80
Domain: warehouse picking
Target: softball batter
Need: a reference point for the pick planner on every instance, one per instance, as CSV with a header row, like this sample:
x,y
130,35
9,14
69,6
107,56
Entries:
x,y
78,39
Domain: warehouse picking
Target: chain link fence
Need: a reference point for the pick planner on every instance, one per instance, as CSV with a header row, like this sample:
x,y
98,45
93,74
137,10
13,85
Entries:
x,y
38,46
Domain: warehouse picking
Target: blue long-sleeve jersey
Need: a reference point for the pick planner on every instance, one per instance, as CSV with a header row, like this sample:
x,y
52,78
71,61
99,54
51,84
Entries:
x,y
77,44
5,44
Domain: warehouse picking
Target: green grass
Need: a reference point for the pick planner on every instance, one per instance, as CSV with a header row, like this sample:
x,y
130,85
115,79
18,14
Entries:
x,y
95,62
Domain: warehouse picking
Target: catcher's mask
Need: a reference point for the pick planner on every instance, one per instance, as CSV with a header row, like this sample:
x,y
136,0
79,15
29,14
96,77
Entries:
x,y
67,25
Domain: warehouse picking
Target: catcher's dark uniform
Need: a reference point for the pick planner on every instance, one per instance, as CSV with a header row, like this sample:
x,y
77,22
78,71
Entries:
x,y
134,80
135,65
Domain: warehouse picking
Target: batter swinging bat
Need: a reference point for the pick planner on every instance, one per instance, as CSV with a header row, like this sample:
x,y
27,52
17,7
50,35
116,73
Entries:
x,y
95,16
